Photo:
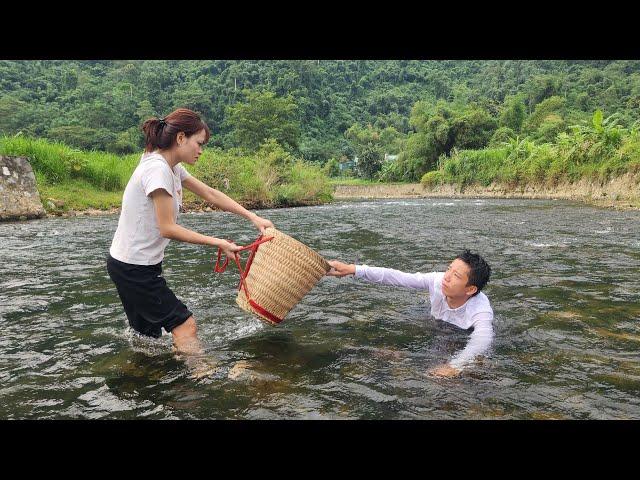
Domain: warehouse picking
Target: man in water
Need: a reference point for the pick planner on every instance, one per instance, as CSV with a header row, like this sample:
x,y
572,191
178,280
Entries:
x,y
455,298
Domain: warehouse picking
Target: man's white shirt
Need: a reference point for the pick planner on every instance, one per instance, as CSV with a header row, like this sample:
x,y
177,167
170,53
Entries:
x,y
475,312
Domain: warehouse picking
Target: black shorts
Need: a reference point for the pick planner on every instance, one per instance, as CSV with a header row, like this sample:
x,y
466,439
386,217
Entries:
x,y
149,304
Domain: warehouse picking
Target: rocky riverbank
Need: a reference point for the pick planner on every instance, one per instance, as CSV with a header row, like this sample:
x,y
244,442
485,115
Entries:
x,y
57,209
620,193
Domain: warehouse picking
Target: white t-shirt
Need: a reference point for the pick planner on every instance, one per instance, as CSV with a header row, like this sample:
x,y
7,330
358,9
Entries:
x,y
137,239
475,312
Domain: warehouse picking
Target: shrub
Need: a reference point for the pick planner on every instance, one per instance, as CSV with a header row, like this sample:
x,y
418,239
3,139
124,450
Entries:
x,y
332,168
501,135
433,178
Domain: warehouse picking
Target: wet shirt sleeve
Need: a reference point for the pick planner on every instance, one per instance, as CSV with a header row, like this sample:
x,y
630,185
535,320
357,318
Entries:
x,y
479,341
389,276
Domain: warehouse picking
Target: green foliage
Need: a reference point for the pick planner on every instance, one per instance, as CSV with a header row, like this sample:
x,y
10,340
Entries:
x,y
86,138
270,176
433,178
349,173
513,113
126,142
36,96
362,136
502,135
441,128
597,141
473,129
370,160
550,128
553,105
541,87
370,144
331,168
266,178
306,184
474,166
598,150
76,194
396,171
420,110
434,136
263,115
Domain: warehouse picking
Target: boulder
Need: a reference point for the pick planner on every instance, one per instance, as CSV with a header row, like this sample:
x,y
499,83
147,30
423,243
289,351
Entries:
x,y
19,197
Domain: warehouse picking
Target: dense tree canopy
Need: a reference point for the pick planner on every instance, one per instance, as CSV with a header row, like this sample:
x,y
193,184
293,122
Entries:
x,y
264,116
426,108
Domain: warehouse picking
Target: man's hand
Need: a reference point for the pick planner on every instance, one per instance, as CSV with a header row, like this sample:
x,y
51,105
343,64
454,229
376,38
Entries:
x,y
262,223
339,269
444,371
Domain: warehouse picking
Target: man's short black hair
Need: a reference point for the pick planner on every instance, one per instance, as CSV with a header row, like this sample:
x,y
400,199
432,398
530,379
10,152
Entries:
x,y
480,271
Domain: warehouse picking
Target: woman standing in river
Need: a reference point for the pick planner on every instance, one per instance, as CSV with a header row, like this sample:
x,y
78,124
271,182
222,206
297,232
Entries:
x,y
150,206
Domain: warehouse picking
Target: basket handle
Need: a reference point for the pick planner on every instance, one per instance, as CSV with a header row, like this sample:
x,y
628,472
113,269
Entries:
x,y
220,268
243,273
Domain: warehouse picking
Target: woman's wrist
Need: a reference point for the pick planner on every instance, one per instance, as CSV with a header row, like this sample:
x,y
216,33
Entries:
x,y
217,242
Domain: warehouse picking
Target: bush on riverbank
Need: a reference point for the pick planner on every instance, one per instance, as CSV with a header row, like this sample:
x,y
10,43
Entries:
x,y
598,152
79,180
270,177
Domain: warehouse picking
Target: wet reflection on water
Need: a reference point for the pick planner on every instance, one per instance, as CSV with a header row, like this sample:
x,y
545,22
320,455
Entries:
x,y
564,290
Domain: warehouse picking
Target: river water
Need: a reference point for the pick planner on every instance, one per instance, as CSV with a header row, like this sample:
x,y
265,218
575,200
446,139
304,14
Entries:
x,y
565,291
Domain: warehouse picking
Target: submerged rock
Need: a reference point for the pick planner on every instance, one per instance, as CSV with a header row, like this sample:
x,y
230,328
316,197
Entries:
x,y
242,371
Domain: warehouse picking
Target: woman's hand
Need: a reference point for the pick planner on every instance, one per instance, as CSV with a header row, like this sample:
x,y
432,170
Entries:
x,y
262,223
339,269
229,249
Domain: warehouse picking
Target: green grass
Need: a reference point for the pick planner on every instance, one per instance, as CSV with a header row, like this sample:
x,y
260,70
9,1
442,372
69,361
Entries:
x,y
538,164
57,162
78,180
78,195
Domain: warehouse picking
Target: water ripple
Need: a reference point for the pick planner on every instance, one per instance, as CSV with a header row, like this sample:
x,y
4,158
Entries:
x,y
564,291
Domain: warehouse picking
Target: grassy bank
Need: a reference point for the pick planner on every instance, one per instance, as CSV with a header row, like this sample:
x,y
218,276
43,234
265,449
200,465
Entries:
x,y
71,179
595,153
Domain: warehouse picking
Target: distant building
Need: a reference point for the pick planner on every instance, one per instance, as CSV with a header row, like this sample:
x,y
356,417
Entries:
x,y
349,164
354,161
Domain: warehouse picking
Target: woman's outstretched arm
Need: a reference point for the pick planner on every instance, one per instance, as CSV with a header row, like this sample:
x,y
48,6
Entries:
x,y
224,202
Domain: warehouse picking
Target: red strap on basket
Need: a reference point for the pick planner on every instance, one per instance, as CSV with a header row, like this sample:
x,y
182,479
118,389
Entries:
x,y
253,247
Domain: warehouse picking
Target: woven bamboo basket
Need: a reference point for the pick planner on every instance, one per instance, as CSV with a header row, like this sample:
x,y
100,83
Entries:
x,y
282,272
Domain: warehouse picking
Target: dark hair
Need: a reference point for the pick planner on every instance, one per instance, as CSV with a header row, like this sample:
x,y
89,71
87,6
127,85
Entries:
x,y
162,132
480,271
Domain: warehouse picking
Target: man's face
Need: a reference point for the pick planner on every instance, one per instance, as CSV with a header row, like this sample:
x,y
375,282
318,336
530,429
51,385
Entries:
x,y
455,280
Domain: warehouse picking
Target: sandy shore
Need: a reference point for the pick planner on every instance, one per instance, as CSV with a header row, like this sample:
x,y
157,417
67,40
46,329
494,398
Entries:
x,y
620,193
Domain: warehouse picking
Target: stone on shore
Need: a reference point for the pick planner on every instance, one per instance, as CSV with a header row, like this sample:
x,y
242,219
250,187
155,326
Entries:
x,y
19,197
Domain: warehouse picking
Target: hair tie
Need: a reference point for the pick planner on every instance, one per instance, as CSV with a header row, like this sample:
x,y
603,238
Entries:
x,y
162,121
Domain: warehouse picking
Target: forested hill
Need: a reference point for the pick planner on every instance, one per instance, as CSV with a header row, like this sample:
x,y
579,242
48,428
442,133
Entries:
x,y
101,104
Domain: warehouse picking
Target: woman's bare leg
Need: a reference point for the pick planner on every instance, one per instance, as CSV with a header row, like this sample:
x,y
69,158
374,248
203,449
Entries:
x,y
189,349
185,338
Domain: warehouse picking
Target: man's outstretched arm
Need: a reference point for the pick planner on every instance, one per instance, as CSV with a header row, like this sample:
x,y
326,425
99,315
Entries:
x,y
385,276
